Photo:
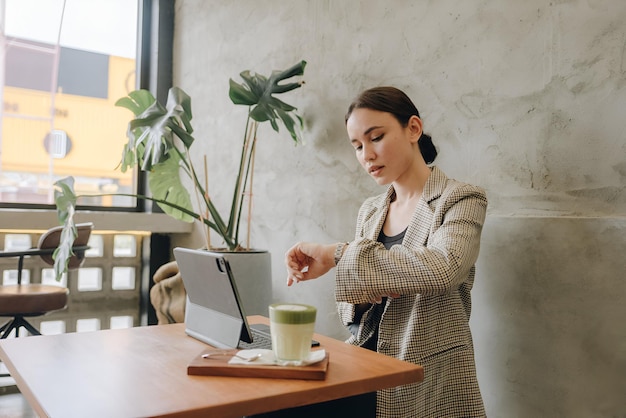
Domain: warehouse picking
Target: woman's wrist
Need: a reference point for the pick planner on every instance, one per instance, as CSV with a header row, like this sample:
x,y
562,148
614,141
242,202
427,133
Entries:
x,y
339,250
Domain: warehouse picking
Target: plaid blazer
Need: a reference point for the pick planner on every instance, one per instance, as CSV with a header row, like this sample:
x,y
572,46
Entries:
x,y
433,271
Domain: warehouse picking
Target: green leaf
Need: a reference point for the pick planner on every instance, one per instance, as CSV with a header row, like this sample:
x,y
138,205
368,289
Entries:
x,y
279,104
137,101
186,139
179,107
257,91
262,113
165,184
129,158
294,70
289,123
256,82
64,251
240,95
151,134
65,200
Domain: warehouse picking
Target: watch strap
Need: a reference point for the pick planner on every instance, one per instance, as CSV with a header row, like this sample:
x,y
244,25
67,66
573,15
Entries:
x,y
339,251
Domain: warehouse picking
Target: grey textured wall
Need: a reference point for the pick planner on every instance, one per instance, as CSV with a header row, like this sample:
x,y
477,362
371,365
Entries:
x,y
525,99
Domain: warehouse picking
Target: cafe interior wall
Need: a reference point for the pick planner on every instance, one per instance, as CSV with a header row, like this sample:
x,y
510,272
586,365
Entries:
x,y
525,99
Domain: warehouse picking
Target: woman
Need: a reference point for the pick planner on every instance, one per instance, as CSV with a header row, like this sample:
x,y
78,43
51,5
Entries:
x,y
403,284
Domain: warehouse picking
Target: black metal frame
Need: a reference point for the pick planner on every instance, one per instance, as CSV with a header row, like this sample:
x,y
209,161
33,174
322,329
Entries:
x,y
156,75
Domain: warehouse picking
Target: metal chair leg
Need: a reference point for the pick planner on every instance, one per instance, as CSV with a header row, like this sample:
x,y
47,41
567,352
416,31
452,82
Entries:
x,y
24,323
5,325
15,324
7,328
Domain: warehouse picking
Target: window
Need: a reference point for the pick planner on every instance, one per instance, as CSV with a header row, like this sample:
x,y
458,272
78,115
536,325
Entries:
x,y
65,64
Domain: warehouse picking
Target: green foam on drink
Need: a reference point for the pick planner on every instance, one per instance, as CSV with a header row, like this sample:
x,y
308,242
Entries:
x,y
292,313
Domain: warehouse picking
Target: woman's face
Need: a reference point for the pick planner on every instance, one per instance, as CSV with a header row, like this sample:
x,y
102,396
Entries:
x,y
385,149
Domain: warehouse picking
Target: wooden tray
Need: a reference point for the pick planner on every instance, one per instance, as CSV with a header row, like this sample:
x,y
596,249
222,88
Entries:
x,y
218,366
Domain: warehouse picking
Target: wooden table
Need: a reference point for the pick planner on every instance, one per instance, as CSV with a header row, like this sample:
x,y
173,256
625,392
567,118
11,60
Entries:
x,y
139,372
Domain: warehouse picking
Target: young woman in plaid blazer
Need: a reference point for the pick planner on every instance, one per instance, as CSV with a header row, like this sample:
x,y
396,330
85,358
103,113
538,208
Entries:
x,y
403,284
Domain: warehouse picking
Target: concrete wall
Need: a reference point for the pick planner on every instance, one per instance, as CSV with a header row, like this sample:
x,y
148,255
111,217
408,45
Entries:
x,y
526,99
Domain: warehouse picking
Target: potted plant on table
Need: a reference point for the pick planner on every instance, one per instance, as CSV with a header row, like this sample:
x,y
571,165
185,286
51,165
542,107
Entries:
x,y
159,142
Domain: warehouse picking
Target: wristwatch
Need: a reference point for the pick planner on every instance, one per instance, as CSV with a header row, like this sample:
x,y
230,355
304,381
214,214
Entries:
x,y
339,251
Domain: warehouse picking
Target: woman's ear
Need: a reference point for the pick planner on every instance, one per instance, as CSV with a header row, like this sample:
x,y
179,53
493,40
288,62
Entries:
x,y
415,128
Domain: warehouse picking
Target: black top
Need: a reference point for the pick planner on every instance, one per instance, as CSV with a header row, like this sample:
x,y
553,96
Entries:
x,y
388,242
361,308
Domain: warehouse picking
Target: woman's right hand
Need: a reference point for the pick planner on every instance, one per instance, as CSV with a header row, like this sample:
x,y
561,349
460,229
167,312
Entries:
x,y
308,260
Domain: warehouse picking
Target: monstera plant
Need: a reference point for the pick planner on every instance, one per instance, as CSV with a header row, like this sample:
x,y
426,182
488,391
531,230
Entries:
x,y
159,142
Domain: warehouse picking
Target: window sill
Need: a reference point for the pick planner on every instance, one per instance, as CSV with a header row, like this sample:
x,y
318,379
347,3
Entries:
x,y
16,219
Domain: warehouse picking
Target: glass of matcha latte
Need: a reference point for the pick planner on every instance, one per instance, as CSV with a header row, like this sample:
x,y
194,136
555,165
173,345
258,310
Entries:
x,y
291,327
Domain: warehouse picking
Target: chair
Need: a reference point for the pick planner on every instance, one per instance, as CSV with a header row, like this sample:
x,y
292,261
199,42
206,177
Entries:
x,y
28,300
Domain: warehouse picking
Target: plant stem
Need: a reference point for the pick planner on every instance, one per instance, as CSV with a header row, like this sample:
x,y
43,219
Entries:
x,y
206,197
251,175
249,146
197,191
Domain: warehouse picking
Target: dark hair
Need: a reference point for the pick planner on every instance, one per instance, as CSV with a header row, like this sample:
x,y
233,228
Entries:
x,y
396,102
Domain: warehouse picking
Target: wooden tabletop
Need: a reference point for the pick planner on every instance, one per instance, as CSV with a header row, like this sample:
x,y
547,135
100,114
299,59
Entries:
x,y
142,372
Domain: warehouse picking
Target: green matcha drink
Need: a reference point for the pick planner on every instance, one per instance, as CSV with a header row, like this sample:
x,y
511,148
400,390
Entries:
x,y
291,326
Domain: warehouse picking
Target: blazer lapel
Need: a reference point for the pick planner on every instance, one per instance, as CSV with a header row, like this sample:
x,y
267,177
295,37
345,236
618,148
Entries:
x,y
375,218
421,222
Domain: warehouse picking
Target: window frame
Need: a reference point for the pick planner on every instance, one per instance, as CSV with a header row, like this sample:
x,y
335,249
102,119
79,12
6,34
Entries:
x,y
154,73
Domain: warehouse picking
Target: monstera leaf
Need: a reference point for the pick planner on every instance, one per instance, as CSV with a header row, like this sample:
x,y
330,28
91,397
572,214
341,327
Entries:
x,y
165,184
151,134
257,91
65,201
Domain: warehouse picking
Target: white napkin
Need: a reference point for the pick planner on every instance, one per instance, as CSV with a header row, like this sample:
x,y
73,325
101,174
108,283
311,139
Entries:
x,y
267,357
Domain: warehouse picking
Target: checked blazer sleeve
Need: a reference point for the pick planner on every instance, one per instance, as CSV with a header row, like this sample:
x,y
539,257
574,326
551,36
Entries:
x,y
439,250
